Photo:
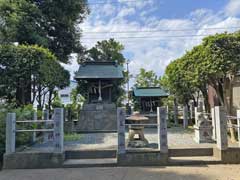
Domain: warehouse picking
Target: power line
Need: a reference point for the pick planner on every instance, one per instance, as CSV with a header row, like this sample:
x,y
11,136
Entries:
x,y
140,37
159,30
115,2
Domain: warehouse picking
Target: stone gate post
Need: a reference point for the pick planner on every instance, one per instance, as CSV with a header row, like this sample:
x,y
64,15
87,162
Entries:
x,y
34,133
214,133
45,117
175,108
238,124
58,130
185,117
10,133
121,114
162,129
221,128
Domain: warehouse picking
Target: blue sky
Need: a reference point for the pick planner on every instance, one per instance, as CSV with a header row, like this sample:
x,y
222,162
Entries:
x,y
155,32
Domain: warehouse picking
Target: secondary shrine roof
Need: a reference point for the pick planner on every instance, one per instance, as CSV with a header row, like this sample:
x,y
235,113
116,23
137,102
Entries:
x,y
99,70
150,92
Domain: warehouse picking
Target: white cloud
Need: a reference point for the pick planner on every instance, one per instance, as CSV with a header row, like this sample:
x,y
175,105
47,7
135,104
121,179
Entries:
x,y
126,12
152,53
233,8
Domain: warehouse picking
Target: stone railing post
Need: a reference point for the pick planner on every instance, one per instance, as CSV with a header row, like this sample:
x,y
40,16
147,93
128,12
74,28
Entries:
x,y
238,124
221,128
10,133
162,129
58,130
191,110
121,114
185,117
175,109
34,133
45,117
214,133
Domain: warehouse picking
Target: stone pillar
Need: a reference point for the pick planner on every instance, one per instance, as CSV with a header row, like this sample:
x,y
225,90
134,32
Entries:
x,y
238,124
162,129
221,128
200,106
121,130
58,130
185,117
214,133
175,108
10,133
192,110
45,117
34,138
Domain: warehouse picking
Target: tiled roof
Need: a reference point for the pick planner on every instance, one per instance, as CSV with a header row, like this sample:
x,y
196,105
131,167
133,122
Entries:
x,y
99,70
150,92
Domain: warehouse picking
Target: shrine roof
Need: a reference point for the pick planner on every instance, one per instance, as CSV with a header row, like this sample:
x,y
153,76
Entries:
x,y
150,92
99,70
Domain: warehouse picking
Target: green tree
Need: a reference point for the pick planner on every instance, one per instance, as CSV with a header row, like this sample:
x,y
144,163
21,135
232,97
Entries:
x,y
48,23
106,50
28,70
147,79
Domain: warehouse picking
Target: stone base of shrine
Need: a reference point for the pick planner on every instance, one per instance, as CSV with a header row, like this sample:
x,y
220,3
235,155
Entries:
x,y
97,117
228,156
142,158
35,160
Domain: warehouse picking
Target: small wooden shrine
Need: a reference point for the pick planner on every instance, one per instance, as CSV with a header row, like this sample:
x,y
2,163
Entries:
x,y
99,111
149,98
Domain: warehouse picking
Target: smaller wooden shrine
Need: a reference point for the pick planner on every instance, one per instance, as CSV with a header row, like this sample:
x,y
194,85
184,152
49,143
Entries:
x,y
99,111
149,98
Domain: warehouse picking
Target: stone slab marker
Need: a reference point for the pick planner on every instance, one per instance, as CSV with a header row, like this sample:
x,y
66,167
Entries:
x,y
46,117
58,130
121,114
214,133
34,133
185,117
10,133
238,124
162,129
221,128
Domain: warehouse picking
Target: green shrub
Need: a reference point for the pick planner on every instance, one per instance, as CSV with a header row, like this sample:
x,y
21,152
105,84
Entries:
x,y
25,113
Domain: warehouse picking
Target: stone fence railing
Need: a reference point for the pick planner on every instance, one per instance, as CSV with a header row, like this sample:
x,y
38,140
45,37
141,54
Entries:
x,y
57,129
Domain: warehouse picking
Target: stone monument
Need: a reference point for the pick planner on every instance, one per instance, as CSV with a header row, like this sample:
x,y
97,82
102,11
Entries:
x,y
203,128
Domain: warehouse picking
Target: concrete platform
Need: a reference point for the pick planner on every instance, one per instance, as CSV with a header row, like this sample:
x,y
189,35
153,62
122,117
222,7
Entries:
x,y
77,163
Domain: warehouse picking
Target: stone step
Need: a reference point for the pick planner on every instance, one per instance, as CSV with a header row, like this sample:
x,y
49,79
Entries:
x,y
196,160
187,152
90,154
79,163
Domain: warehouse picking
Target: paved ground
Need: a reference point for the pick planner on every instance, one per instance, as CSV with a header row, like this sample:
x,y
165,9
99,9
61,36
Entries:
x,y
177,138
213,172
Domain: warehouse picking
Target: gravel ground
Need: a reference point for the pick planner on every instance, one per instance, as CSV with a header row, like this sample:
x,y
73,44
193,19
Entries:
x,y
211,172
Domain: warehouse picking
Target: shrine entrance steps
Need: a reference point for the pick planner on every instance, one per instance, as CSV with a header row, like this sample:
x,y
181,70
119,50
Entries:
x,y
107,158
90,158
192,156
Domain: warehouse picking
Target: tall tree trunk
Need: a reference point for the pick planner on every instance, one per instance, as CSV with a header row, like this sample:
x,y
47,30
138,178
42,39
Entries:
x,y
205,97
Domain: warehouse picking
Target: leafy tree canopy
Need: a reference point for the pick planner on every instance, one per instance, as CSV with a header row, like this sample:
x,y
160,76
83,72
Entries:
x,y
23,66
48,23
147,79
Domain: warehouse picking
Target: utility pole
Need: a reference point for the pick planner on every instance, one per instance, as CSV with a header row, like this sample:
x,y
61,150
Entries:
x,y
128,61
